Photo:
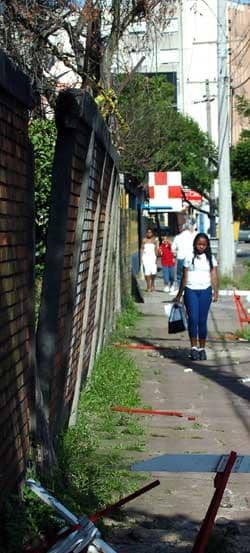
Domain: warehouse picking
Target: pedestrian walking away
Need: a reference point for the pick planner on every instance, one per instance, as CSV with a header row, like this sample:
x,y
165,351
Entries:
x,y
168,264
200,286
149,250
182,246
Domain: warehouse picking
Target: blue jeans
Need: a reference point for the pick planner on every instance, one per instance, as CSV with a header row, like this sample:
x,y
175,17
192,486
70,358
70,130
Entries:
x,y
197,304
179,271
168,275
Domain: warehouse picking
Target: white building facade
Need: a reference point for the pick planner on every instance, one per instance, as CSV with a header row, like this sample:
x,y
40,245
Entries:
x,y
186,51
198,63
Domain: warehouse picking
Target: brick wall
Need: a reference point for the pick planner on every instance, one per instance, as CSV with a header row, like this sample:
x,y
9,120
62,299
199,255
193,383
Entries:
x,y
80,255
16,274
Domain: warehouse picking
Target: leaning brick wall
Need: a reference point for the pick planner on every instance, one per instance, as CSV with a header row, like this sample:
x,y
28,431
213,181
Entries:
x,y
78,255
16,274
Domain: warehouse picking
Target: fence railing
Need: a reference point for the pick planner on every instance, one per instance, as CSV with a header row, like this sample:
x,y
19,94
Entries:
x,y
81,282
88,257
16,274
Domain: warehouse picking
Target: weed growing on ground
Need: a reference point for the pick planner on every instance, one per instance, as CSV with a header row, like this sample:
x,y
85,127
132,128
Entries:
x,y
244,333
226,282
239,281
196,426
93,456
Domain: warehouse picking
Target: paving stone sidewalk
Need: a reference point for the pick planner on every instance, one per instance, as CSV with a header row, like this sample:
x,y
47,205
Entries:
x,y
167,518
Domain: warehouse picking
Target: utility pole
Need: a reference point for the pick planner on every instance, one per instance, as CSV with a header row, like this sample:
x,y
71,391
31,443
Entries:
x,y
181,101
226,237
208,100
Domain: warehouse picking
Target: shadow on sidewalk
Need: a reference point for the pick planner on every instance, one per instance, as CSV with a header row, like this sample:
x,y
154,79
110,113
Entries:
x,y
144,533
222,370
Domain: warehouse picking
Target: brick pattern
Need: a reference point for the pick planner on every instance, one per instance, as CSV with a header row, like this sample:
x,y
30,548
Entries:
x,y
83,178
83,269
15,283
97,259
65,295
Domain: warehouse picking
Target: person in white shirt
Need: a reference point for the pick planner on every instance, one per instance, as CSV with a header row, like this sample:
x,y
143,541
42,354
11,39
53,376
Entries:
x,y
182,246
200,285
149,250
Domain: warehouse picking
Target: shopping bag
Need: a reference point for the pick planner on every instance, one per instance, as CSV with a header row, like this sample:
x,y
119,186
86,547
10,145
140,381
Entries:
x,y
177,319
168,308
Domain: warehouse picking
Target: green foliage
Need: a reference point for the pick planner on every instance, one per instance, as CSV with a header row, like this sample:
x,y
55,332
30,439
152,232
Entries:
x,y
126,319
24,521
240,159
240,170
159,138
241,199
245,278
244,333
43,136
240,281
95,455
243,106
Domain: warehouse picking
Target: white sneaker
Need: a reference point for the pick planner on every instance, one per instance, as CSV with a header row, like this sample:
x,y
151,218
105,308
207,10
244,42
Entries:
x,y
166,289
173,292
172,288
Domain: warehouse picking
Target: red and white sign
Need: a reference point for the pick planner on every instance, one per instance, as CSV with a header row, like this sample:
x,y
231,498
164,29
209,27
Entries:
x,y
165,190
192,195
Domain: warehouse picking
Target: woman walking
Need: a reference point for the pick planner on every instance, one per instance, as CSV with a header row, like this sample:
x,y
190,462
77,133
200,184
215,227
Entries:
x,y
149,259
200,286
168,264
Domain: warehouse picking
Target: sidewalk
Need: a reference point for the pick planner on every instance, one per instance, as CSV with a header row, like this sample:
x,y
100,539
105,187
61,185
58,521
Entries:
x,y
167,518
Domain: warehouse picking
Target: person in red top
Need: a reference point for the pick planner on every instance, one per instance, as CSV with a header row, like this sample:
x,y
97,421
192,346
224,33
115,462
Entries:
x,y
168,264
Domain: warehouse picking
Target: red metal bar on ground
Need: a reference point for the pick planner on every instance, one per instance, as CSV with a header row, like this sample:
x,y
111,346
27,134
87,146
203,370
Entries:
x,y
220,483
140,346
99,514
242,314
140,411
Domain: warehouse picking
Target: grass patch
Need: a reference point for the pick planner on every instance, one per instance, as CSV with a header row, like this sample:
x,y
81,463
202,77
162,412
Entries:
x,y
94,456
226,282
244,333
239,281
196,426
244,281
126,320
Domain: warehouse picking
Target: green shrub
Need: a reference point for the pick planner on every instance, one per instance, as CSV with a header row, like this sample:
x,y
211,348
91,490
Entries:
x,y
95,455
43,136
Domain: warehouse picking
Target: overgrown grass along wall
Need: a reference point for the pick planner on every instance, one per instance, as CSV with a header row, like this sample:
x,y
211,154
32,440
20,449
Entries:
x,y
94,457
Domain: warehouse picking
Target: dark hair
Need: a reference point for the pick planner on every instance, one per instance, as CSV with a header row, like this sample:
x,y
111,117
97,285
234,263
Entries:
x,y
207,251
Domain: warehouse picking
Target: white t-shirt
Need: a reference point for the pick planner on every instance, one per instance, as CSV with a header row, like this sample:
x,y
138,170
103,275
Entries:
x,y
183,244
199,273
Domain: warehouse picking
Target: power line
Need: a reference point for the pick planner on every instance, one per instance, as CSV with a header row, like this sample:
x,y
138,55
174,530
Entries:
x,y
241,84
243,47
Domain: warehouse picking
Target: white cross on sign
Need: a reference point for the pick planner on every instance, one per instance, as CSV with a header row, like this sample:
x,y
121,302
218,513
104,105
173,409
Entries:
x,y
165,190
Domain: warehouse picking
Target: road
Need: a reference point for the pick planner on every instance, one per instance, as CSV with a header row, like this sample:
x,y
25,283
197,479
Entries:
x,y
243,250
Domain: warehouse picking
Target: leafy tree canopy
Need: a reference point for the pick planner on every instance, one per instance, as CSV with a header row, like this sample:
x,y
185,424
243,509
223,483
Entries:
x,y
240,158
240,170
243,106
241,199
159,138
73,43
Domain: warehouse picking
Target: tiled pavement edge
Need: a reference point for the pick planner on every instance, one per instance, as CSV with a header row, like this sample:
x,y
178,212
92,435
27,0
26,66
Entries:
x,y
167,518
